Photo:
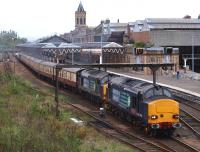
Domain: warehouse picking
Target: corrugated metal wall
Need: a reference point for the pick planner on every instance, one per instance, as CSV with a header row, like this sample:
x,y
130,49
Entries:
x,y
175,37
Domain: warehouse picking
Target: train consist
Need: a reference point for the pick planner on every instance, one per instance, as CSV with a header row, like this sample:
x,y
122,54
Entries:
x,y
151,107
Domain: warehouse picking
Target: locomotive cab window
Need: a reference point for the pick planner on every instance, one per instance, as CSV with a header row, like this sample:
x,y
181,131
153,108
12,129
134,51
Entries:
x,y
167,93
157,92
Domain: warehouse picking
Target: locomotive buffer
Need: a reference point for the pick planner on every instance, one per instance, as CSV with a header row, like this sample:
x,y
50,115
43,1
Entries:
x,y
153,67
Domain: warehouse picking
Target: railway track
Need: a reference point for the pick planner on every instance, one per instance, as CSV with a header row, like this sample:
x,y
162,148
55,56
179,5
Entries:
x,y
192,122
186,97
184,144
189,111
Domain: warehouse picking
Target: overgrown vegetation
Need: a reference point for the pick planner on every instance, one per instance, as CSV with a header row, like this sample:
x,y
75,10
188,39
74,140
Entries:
x,y
28,123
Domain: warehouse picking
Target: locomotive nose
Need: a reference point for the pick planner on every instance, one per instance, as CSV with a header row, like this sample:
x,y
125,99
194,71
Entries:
x,y
164,111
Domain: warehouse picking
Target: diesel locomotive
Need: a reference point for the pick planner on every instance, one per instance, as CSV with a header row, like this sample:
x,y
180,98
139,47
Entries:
x,y
144,104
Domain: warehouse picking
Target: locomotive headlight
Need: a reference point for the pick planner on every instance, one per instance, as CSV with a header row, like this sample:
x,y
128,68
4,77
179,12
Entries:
x,y
176,116
153,117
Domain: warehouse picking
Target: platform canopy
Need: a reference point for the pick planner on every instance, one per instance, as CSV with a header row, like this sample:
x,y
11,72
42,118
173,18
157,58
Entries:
x,y
113,48
62,49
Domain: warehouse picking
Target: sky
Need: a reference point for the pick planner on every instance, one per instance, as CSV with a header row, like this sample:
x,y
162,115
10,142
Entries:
x,y
34,19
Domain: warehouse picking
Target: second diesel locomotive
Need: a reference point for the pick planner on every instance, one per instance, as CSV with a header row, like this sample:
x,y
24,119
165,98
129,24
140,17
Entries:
x,y
151,107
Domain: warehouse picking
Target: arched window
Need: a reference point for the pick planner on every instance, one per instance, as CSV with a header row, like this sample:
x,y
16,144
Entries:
x,y
81,22
77,21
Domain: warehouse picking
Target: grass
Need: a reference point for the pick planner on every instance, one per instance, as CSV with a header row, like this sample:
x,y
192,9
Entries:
x,y
28,123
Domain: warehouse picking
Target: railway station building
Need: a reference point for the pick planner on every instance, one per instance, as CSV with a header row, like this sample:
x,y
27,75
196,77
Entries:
x,y
182,33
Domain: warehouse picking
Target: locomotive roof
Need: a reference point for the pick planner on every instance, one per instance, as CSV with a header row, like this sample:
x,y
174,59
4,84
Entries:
x,y
132,85
94,73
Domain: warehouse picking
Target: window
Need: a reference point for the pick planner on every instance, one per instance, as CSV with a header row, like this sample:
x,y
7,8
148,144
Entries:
x,y
65,74
84,20
167,93
81,22
86,83
115,95
149,94
158,92
77,21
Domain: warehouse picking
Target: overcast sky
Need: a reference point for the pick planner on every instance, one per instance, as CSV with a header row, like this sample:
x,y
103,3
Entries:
x,y
38,18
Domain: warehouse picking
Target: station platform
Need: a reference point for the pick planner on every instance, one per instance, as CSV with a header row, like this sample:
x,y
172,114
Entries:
x,y
182,84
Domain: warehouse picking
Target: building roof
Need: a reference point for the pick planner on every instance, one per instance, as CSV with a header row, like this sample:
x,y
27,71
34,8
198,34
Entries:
x,y
54,39
165,24
172,20
112,45
80,8
91,45
68,45
172,23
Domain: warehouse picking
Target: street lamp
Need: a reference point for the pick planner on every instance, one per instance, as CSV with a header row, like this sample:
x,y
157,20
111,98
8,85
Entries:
x,y
192,53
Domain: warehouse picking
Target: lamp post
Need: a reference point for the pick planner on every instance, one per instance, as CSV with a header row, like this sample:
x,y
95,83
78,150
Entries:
x,y
192,53
100,57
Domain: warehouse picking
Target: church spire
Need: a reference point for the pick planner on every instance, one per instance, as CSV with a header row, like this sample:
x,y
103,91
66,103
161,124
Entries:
x,y
80,7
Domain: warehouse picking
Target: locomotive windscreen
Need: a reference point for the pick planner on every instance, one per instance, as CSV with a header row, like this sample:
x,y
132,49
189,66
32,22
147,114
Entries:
x,y
153,92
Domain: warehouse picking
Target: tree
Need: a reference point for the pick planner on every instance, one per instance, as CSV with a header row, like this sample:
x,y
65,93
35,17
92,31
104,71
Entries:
x,y
9,39
139,44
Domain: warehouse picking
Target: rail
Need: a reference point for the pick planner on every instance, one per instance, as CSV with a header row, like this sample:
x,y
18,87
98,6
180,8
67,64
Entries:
x,y
190,121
